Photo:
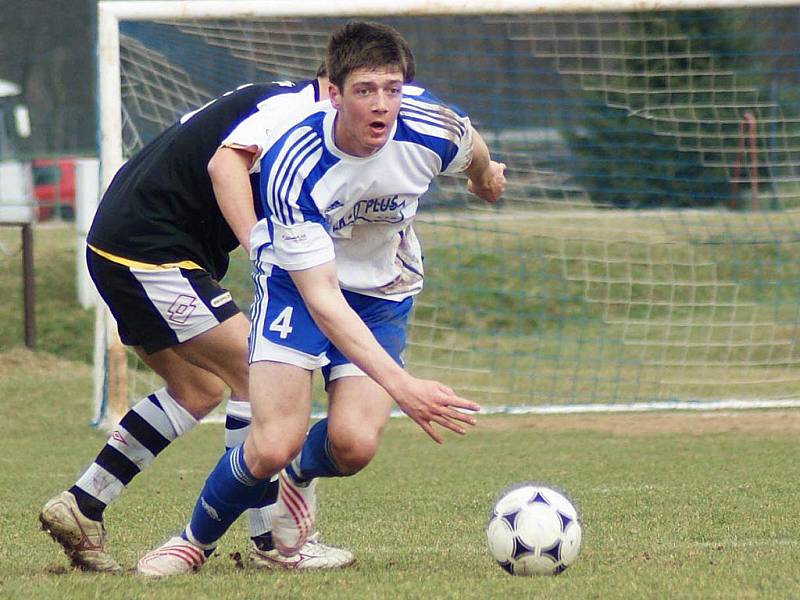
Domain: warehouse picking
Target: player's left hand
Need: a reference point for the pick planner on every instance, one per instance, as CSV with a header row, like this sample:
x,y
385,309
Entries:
x,y
491,184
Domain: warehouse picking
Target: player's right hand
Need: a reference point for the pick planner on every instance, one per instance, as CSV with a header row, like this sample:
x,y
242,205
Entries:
x,y
427,402
492,183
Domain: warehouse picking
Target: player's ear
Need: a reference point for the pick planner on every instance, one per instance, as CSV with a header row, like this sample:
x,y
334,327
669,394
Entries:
x,y
334,95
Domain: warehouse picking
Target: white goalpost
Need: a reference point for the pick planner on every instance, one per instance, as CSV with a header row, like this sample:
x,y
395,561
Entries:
x,y
645,256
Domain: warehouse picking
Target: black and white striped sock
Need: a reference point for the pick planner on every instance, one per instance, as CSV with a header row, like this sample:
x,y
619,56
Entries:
x,y
145,430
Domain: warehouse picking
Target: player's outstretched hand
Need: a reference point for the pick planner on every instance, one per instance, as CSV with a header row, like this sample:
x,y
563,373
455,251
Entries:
x,y
491,185
428,402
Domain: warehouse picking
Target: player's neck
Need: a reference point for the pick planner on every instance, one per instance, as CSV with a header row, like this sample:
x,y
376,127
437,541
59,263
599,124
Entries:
x,y
348,143
322,85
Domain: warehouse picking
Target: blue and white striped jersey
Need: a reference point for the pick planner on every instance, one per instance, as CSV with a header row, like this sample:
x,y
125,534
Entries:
x,y
318,203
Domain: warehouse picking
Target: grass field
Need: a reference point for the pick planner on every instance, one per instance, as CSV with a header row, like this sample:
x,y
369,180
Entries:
x,y
673,505
586,307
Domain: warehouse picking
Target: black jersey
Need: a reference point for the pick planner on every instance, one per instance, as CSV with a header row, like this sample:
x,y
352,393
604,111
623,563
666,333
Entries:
x,y
160,207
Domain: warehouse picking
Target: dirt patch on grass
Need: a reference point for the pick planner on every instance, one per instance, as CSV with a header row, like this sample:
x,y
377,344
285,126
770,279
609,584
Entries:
x,y
638,424
19,362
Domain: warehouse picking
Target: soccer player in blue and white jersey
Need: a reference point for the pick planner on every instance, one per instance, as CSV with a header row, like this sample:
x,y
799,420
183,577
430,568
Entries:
x,y
337,266
158,249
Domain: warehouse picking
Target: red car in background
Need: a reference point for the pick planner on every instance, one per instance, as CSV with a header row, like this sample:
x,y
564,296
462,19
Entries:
x,y
54,188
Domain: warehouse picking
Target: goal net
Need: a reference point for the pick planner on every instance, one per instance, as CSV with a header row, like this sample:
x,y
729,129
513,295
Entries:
x,y
646,251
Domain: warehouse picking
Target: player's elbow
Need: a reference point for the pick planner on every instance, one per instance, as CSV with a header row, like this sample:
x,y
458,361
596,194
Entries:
x,y
226,159
216,166
326,304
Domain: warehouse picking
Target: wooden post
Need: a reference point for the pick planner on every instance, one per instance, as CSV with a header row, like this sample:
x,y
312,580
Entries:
x,y
117,399
28,295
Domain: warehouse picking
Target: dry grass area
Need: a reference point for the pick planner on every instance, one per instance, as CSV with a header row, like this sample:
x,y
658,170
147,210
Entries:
x,y
649,424
20,362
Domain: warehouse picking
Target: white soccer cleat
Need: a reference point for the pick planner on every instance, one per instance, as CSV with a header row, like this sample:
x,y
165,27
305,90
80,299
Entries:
x,y
83,539
313,555
174,557
294,515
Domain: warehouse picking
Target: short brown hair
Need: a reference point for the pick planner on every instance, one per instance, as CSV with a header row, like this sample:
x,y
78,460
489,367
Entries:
x,y
367,45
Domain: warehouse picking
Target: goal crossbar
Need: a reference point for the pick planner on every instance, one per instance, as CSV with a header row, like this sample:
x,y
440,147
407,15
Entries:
x,y
212,9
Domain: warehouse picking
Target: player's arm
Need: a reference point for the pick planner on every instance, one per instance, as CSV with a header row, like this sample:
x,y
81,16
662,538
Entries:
x,y
229,170
426,402
486,178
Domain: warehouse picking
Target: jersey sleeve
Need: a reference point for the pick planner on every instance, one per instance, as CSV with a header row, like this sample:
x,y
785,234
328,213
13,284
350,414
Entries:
x,y
443,127
463,157
302,246
250,135
253,133
300,238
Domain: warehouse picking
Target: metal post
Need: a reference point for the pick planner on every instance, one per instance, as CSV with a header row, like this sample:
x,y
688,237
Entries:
x,y
28,297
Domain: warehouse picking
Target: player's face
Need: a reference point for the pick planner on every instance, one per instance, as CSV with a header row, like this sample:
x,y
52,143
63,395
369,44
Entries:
x,y
367,106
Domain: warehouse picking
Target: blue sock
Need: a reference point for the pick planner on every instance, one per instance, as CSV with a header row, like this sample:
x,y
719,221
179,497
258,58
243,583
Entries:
x,y
230,489
315,458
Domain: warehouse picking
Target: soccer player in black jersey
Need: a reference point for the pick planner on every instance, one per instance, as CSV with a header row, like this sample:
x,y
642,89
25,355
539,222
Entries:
x,y
157,250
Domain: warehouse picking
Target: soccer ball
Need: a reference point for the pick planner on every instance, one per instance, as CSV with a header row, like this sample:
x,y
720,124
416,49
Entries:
x,y
533,530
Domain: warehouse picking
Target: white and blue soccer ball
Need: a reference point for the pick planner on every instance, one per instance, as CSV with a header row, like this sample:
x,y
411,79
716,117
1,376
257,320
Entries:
x,y
533,530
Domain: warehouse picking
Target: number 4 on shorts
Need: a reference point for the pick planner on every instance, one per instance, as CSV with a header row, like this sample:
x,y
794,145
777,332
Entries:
x,y
283,323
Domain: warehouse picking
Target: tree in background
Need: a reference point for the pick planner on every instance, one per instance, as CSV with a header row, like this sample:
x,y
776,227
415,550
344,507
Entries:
x,y
653,129
47,48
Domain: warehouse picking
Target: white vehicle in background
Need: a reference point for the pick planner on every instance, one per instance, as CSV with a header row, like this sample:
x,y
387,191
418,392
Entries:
x,y
16,179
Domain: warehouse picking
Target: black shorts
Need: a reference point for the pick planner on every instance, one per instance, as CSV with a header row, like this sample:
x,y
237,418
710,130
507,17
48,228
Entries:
x,y
157,307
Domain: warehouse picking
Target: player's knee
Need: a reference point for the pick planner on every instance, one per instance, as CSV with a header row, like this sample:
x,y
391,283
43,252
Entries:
x,y
354,452
236,379
199,400
271,453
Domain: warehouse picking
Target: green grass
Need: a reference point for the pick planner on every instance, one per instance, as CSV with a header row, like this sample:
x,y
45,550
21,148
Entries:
x,y
62,326
585,307
673,506
608,306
